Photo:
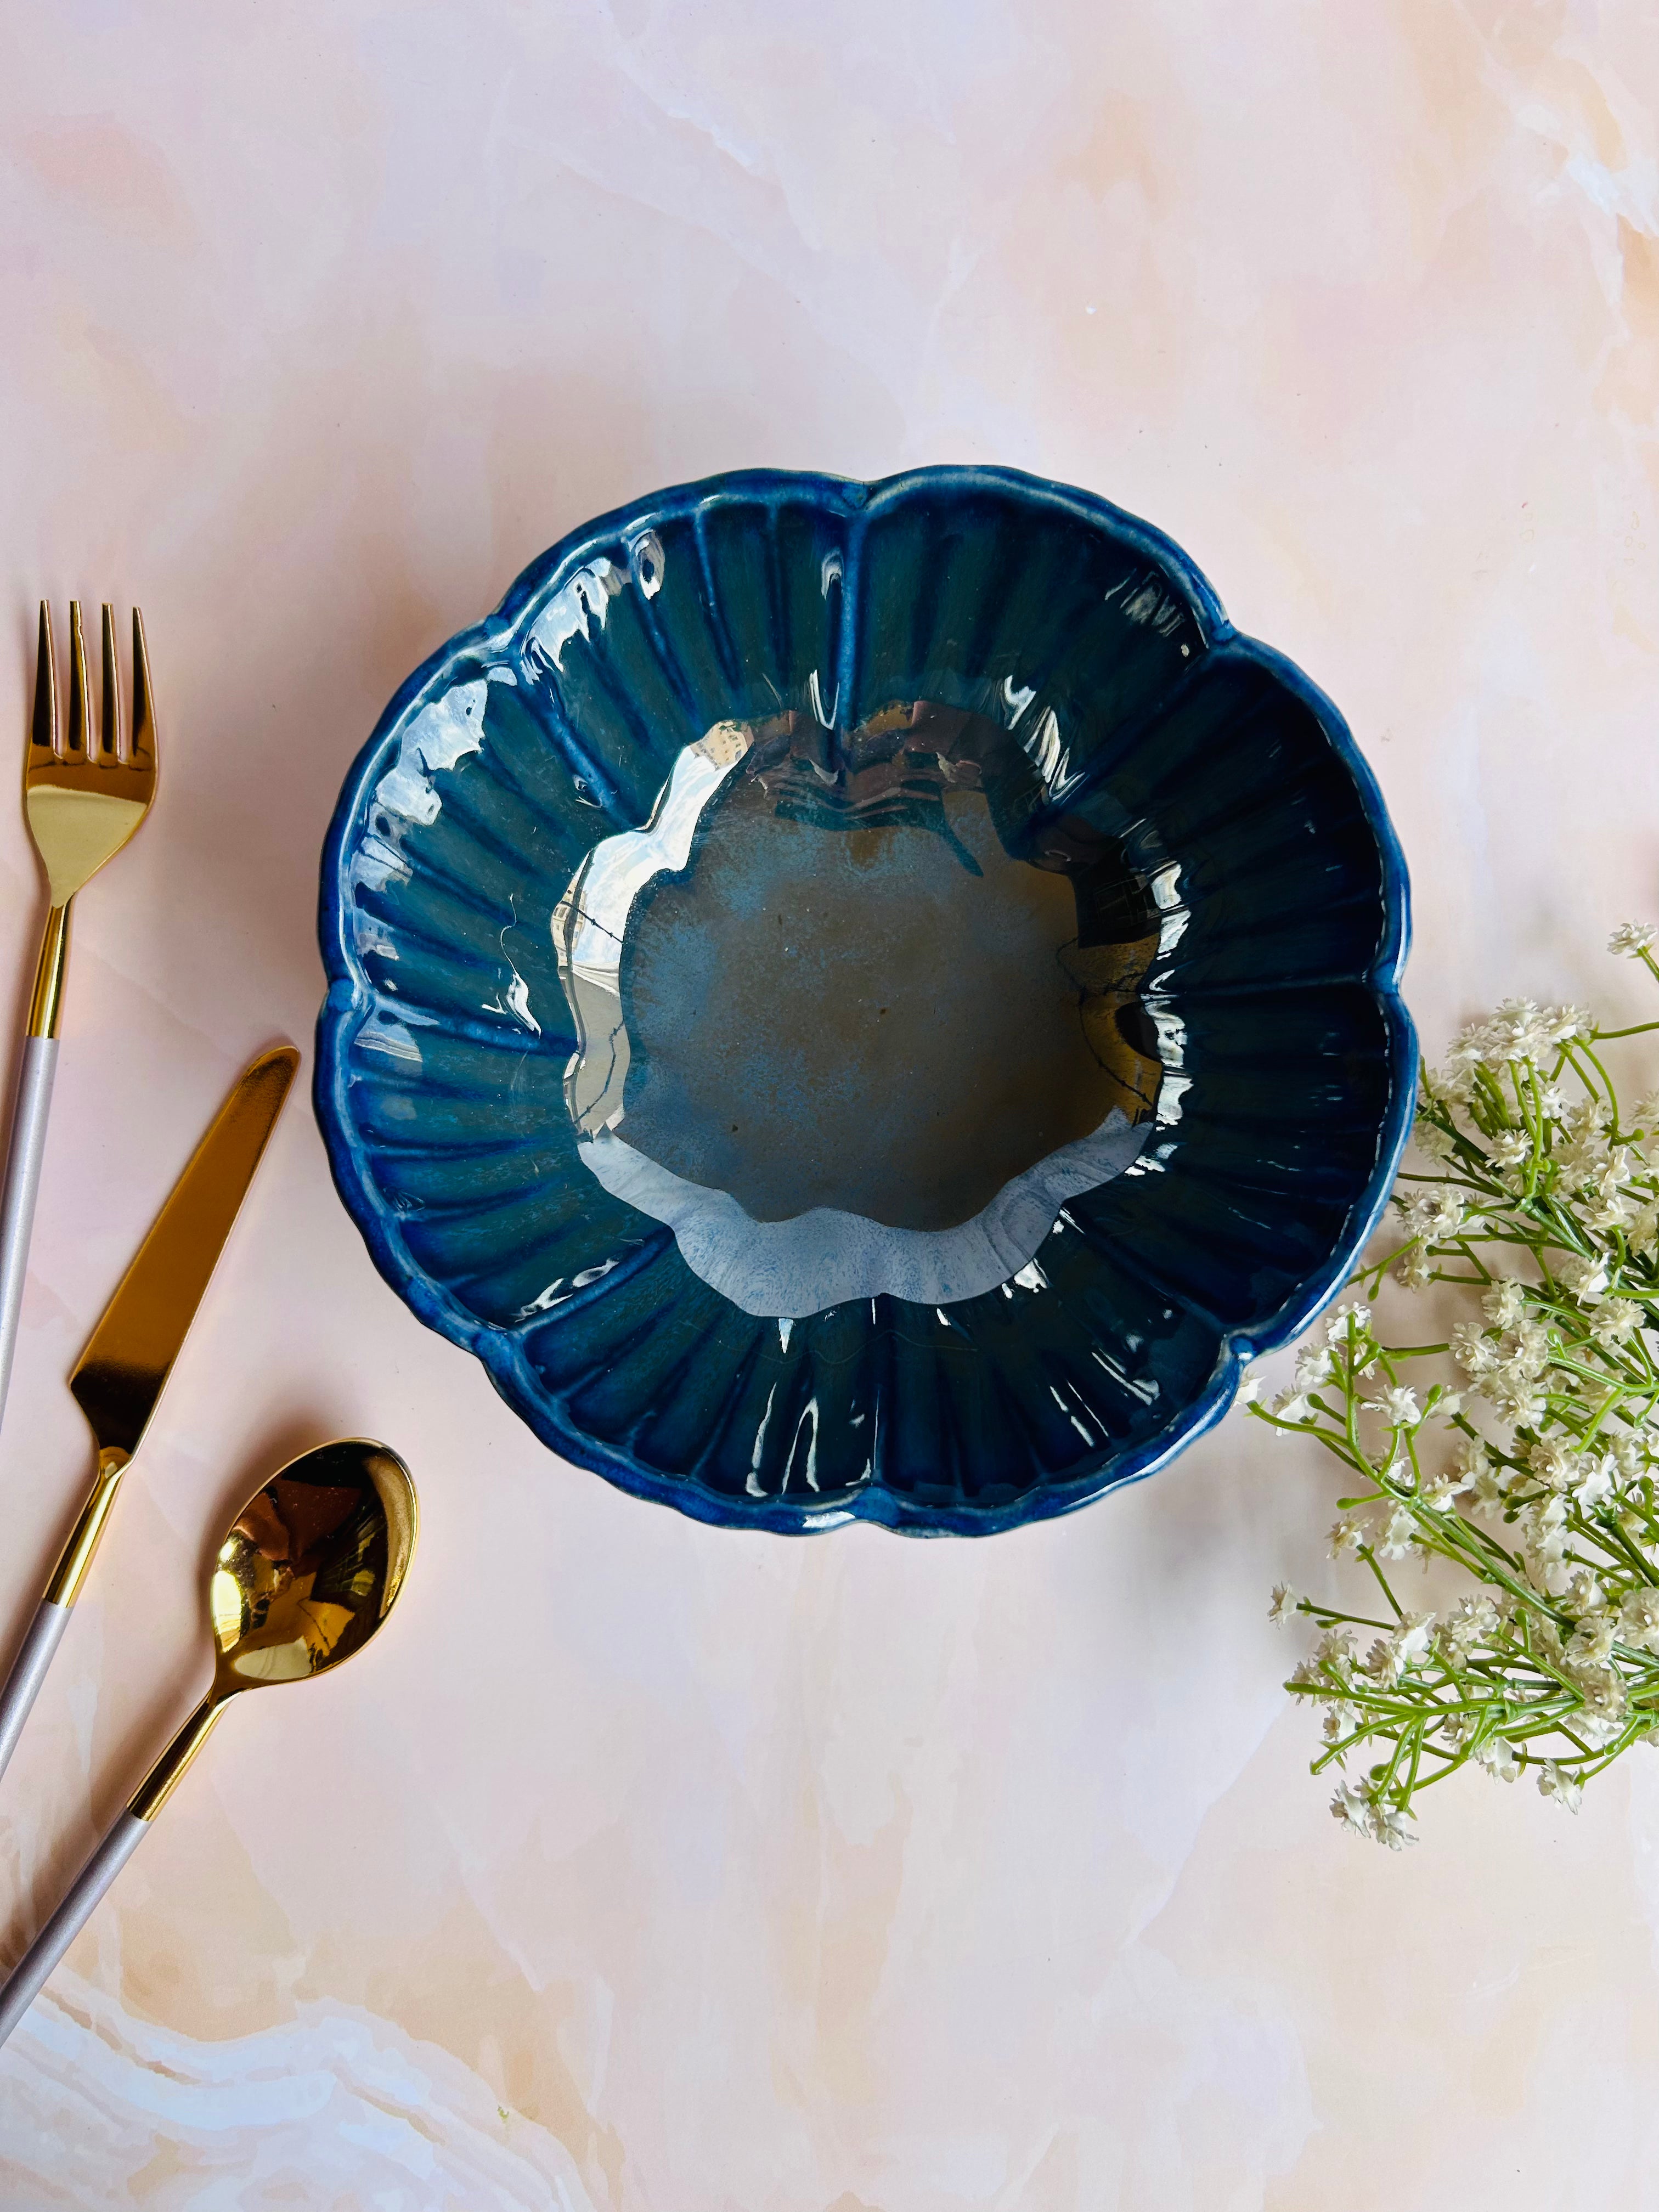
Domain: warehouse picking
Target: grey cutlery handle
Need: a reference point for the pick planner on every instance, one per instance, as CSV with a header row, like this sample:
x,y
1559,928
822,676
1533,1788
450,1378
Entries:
x,y
71,1916
28,1147
28,1671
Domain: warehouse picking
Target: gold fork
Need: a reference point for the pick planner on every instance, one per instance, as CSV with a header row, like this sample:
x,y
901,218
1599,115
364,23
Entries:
x,y
84,797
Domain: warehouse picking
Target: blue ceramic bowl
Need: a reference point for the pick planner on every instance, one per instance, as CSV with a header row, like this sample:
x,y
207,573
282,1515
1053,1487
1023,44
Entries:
x,y
864,1001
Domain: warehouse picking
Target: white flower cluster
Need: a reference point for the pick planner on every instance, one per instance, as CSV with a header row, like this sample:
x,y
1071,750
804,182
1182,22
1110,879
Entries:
x,y
1535,1468
1519,1033
1323,1357
1368,1812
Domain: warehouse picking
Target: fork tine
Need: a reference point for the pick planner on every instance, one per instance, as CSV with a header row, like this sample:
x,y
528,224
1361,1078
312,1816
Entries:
x,y
111,699
43,735
80,713
144,701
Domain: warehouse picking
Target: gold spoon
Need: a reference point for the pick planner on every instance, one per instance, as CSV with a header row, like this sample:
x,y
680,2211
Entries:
x,y
309,1571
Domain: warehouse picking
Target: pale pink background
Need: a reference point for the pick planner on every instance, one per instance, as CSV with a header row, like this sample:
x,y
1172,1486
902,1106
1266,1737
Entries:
x,y
646,1866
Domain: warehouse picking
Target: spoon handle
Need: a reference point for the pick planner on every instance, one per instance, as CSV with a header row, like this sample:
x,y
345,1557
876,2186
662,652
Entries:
x,y
108,1861
28,1671
71,1916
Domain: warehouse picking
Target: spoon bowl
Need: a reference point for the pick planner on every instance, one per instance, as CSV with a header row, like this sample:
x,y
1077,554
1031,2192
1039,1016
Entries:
x,y
311,1565
309,1569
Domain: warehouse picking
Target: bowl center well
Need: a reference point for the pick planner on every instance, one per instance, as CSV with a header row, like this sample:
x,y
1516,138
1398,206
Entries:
x,y
870,1015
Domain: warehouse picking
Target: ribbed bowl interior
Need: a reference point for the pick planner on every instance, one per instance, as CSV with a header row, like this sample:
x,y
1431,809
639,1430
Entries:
x,y
445,1037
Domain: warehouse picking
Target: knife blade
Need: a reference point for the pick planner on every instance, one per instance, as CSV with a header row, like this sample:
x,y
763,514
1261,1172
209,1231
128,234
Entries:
x,y
119,1376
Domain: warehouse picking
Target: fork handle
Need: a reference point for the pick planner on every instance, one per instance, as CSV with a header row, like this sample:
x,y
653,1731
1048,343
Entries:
x,y
28,1671
27,1150
70,1918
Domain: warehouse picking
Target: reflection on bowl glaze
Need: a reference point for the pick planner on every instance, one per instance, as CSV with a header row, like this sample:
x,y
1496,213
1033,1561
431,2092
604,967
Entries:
x,y
978,1120
863,1001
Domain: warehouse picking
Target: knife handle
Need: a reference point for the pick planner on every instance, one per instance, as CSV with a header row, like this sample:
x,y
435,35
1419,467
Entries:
x,y
75,1560
70,1918
28,1671
27,1150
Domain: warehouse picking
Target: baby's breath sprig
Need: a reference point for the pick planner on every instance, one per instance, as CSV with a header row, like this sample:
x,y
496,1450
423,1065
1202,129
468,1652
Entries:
x,y
1528,1466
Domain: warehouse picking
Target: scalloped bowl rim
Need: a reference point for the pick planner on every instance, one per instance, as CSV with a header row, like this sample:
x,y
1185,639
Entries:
x,y
500,1349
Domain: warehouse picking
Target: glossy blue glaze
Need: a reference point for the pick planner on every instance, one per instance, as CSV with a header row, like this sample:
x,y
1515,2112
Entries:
x,y
1214,764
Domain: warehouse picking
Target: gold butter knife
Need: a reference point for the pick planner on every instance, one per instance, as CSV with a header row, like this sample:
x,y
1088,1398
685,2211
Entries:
x,y
120,1375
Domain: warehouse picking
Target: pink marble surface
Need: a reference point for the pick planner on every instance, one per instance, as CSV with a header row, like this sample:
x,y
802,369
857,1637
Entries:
x,y
647,1865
